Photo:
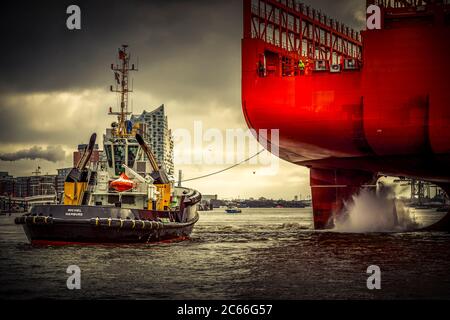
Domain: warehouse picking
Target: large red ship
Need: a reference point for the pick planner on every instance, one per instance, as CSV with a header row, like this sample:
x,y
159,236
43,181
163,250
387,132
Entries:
x,y
351,106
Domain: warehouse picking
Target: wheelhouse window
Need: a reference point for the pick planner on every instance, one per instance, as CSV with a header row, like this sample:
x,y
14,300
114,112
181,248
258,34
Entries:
x,y
132,152
109,154
119,158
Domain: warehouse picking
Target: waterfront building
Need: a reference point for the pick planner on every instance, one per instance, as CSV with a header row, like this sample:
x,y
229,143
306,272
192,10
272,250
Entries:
x,y
6,183
154,127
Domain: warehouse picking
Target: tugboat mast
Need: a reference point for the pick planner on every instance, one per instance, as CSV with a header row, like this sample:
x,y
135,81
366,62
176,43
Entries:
x,y
121,87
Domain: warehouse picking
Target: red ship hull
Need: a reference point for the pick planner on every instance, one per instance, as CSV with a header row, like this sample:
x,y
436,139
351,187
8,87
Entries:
x,y
389,117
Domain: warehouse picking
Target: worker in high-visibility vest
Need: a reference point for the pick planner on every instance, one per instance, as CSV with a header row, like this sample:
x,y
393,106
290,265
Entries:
x,y
301,66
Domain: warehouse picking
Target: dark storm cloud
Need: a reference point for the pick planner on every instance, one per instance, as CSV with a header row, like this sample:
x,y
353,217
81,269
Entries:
x,y
52,154
53,118
182,45
185,47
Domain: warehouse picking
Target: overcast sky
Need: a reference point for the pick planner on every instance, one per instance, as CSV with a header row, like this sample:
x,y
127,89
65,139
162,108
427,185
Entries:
x,y
54,82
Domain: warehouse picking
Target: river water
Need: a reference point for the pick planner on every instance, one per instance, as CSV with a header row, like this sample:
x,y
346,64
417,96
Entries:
x,y
257,254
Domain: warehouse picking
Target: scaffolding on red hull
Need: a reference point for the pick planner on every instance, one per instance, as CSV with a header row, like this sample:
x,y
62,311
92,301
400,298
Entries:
x,y
299,31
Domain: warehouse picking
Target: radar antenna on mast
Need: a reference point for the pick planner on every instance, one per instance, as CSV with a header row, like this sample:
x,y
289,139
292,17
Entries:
x,y
121,86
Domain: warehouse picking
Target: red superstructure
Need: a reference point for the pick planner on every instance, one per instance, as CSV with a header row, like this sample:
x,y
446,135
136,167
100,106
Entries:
x,y
351,107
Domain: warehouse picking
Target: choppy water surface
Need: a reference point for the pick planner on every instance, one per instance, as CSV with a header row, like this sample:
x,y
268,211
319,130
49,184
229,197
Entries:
x,y
258,254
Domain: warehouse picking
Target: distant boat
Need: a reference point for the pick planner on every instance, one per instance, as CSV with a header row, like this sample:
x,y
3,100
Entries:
x,y
233,210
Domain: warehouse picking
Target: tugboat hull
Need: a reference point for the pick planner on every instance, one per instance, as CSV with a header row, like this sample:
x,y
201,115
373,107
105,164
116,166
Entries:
x,y
59,224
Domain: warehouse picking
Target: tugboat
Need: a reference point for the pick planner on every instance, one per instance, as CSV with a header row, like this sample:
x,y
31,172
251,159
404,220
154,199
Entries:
x,y
127,198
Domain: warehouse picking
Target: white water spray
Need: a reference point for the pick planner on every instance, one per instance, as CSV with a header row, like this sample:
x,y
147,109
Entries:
x,y
375,211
